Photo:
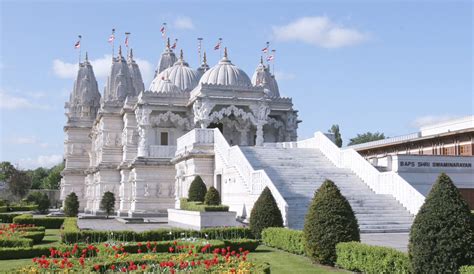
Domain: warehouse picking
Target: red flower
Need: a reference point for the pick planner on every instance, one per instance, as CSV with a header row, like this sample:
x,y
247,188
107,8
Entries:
x,y
112,267
97,267
143,266
139,251
171,249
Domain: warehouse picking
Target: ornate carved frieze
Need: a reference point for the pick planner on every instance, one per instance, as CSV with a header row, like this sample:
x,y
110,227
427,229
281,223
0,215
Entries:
x,y
176,119
202,109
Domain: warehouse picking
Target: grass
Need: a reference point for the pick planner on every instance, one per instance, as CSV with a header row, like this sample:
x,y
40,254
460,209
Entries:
x,y
6,266
282,262
51,237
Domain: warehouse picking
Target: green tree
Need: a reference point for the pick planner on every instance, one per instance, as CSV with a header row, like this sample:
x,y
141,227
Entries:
x,y
442,235
212,197
197,190
6,171
37,176
107,203
54,177
71,205
18,183
265,213
43,203
329,221
366,137
337,135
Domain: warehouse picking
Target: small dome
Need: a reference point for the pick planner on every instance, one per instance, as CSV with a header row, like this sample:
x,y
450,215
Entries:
x,y
226,73
180,74
263,78
165,86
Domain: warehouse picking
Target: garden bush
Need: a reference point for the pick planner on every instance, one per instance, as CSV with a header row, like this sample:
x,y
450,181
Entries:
x,y
36,236
3,209
285,239
199,206
330,220
38,251
107,203
16,242
358,257
47,222
71,205
212,197
8,217
22,207
197,190
466,269
441,237
265,213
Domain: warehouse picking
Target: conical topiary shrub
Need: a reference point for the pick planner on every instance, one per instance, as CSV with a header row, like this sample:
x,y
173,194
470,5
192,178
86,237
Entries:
x,y
441,237
330,220
71,205
107,203
212,197
265,213
197,190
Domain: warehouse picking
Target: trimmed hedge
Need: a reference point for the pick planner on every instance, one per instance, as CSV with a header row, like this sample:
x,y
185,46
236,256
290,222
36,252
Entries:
x,y
16,242
47,222
37,251
22,207
197,190
7,217
31,228
212,197
3,209
265,213
467,269
199,206
36,236
70,234
355,256
285,239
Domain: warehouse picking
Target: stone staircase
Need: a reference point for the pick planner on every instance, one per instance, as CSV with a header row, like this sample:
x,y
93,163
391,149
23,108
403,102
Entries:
x,y
299,172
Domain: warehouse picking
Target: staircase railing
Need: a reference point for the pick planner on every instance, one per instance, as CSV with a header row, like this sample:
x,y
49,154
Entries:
x,y
256,180
380,182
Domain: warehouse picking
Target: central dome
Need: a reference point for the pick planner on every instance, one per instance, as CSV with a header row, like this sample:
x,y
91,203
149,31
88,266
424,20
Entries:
x,y
226,73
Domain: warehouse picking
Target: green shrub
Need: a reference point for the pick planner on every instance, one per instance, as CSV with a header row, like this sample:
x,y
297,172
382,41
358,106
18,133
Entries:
x,y
212,197
199,206
47,222
40,199
441,237
467,269
8,217
197,190
107,203
16,242
31,228
8,253
358,257
245,244
36,236
71,205
285,239
265,213
3,208
330,220
22,207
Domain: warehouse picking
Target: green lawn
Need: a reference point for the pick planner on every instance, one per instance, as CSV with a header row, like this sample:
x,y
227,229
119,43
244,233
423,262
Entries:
x,y
284,262
7,265
51,237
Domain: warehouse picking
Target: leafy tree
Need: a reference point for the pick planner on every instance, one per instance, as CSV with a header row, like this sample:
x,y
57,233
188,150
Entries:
x,y
265,213
329,221
366,137
107,203
71,205
6,170
442,235
54,177
337,135
18,182
197,190
43,203
212,197
37,176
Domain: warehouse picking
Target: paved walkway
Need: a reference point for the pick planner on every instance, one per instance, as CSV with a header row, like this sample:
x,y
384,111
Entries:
x,y
395,240
112,224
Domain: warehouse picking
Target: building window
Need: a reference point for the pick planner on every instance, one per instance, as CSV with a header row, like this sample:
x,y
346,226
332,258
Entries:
x,y
164,138
464,150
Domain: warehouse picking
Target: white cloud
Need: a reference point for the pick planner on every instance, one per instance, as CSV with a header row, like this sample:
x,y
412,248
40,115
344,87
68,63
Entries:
x,y
284,76
11,102
319,31
183,22
101,68
40,161
431,119
23,141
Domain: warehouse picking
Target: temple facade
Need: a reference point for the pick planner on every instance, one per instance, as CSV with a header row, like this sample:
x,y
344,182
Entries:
x,y
125,139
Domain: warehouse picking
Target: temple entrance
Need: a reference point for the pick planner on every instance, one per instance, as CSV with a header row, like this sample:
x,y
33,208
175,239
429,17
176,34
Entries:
x,y
220,126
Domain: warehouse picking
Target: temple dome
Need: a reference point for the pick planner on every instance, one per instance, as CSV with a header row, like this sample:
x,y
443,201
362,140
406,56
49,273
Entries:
x,y
263,78
225,73
166,86
180,74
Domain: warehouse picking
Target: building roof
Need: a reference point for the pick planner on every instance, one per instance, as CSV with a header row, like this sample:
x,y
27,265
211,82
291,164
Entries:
x,y
263,78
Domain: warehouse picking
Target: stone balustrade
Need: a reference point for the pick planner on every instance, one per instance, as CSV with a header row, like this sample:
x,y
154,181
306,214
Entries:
x,y
157,151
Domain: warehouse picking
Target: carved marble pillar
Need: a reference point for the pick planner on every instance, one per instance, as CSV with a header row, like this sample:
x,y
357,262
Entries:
x,y
201,111
144,127
259,140
261,112
243,129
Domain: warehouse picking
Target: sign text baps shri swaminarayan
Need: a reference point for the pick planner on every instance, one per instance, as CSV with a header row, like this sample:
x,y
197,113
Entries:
x,y
434,164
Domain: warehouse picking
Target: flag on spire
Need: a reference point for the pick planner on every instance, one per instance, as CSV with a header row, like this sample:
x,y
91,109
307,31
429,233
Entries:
x,y
270,58
218,46
174,44
77,44
163,30
265,49
112,36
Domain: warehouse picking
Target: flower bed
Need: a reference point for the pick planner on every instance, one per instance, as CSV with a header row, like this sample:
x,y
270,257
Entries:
x,y
183,256
47,222
14,235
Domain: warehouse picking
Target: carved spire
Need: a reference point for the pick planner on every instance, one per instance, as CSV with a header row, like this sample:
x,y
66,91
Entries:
x,y
168,45
261,60
204,60
130,54
181,57
120,52
225,52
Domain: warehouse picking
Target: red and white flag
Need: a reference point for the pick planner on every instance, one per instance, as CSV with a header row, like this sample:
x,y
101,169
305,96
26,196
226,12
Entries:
x,y
111,38
163,30
126,41
77,44
174,44
270,58
265,50
218,46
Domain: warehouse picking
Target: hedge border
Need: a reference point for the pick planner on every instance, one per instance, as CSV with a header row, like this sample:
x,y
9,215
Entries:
x,y
47,222
201,207
285,239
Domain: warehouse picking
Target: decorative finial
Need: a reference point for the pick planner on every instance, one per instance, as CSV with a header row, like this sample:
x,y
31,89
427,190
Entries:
x,y
225,52
87,57
204,60
120,52
181,54
130,54
261,59
168,43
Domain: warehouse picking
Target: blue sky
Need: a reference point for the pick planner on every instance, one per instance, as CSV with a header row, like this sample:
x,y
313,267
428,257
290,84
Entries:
x,y
364,65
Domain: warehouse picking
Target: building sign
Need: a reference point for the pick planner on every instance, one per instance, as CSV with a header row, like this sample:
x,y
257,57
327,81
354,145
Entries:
x,y
434,164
